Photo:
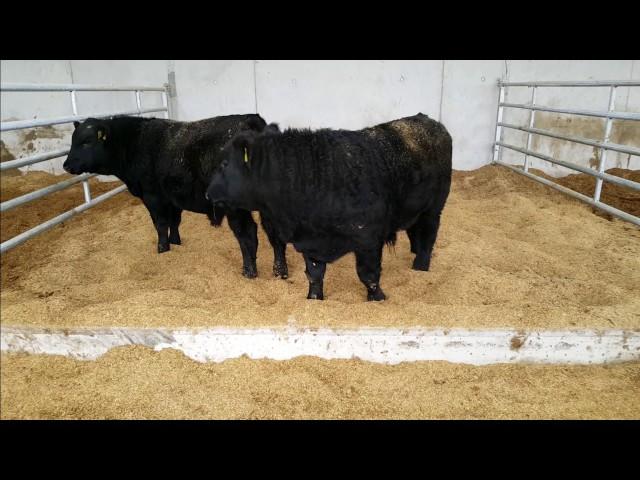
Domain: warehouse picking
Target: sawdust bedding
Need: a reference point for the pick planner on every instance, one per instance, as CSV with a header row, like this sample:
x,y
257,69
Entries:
x,y
510,253
138,383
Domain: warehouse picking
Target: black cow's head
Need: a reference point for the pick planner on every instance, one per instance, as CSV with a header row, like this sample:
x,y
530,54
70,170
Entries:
x,y
231,182
88,151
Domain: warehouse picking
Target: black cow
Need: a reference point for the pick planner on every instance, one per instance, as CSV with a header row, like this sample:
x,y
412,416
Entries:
x,y
168,164
331,192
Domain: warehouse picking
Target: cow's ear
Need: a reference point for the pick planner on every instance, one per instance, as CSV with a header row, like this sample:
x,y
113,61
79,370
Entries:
x,y
103,132
244,139
273,128
76,124
243,142
256,123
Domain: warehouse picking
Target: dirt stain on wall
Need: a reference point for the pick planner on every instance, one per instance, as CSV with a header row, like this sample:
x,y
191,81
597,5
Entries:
x,y
32,134
623,132
517,342
31,140
5,156
585,127
594,162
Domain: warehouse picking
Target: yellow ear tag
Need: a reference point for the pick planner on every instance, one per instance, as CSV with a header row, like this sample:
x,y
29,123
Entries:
x,y
246,157
99,134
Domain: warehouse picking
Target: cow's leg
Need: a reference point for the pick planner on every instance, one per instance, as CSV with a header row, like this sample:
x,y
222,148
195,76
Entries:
x,y
279,249
412,233
246,232
315,274
176,217
161,215
369,266
427,231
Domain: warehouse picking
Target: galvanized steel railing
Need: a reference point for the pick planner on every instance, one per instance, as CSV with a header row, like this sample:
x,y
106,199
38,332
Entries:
x,y
604,145
41,157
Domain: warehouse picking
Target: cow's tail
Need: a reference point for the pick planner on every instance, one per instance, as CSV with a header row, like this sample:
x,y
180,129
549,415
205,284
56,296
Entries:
x,y
391,241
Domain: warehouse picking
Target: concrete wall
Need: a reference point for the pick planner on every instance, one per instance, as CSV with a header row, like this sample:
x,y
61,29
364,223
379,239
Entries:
x,y
339,94
350,94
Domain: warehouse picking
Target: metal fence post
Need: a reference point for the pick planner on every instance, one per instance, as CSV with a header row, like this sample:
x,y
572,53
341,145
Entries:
x,y
165,102
170,95
85,183
532,117
74,104
603,151
138,102
496,147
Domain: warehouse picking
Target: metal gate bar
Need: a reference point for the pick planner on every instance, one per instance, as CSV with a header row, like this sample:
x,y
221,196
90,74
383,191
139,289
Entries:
x,y
43,227
585,141
42,157
603,145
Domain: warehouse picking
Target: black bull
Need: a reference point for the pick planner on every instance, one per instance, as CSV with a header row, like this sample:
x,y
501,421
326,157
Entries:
x,y
168,165
331,192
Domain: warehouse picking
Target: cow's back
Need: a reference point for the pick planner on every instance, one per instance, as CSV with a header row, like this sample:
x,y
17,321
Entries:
x,y
197,145
416,141
187,154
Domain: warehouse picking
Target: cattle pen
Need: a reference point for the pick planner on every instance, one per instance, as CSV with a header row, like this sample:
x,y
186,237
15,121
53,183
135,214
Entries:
x,y
535,278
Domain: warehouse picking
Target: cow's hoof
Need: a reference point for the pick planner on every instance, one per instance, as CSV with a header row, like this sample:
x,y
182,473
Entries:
x,y
315,296
376,296
163,247
420,266
280,270
175,241
249,272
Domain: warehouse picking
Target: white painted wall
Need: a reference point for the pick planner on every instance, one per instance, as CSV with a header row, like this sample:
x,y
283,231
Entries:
x,y
337,94
469,110
346,94
207,88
